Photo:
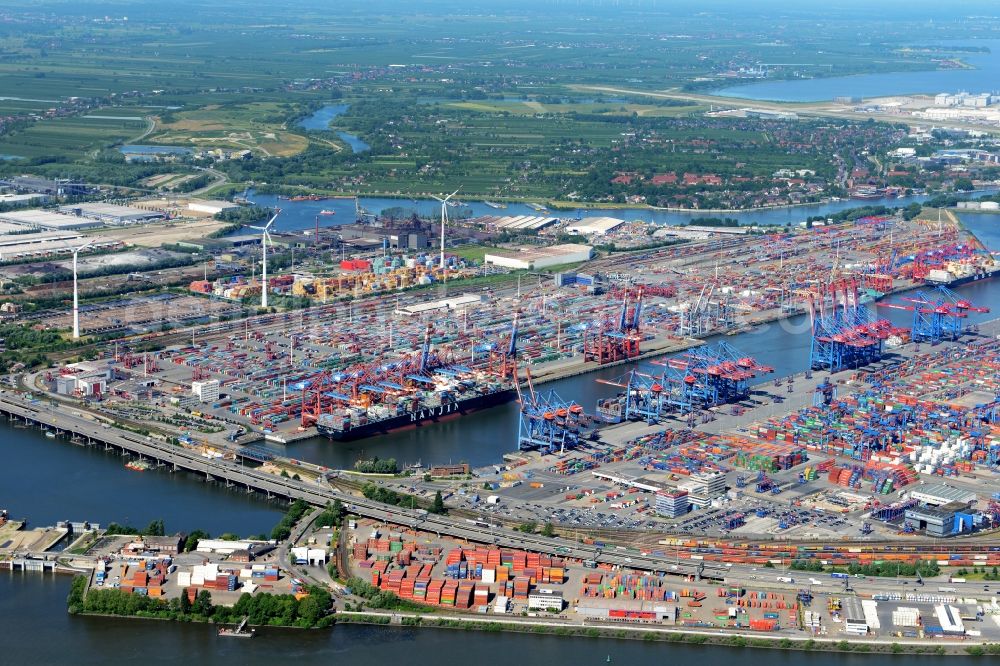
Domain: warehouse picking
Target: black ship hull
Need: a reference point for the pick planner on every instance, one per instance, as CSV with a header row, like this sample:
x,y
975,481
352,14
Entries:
x,y
418,418
968,278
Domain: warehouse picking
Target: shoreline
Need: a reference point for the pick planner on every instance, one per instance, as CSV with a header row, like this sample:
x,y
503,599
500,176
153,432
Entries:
x,y
657,633
701,636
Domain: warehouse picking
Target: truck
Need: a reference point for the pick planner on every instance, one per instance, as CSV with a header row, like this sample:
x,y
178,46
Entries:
x,y
952,579
837,574
785,579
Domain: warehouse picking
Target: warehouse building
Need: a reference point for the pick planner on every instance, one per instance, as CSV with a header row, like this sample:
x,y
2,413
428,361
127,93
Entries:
x,y
515,222
949,619
535,258
212,207
627,610
594,226
855,622
939,494
46,219
23,199
446,304
112,214
941,521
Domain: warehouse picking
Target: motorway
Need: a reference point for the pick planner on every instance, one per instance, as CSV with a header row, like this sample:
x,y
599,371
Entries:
x,y
321,495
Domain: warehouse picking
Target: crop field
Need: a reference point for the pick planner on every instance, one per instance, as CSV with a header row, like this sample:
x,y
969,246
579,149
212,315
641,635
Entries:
x,y
442,92
68,137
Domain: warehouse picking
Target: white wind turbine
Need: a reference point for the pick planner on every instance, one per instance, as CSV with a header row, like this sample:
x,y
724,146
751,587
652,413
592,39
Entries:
x,y
76,294
444,219
265,238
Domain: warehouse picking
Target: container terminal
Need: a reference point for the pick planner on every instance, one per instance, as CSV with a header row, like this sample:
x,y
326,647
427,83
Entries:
x,y
883,449
370,365
774,554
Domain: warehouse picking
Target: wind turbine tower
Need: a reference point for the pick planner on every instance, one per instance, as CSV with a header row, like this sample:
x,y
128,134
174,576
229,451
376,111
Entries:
x,y
444,219
265,238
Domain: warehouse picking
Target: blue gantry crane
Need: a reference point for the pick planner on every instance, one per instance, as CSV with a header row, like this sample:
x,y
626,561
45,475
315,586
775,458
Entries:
x,y
546,421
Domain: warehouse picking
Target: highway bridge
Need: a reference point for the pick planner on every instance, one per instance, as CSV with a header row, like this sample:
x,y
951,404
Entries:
x,y
235,474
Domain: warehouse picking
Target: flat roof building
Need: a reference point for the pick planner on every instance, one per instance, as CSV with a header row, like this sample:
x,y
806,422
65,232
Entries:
x,y
594,226
37,218
212,207
112,214
672,503
626,610
545,600
534,258
937,494
941,521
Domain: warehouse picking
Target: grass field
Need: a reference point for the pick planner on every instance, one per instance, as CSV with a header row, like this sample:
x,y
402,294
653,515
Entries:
x,y
257,126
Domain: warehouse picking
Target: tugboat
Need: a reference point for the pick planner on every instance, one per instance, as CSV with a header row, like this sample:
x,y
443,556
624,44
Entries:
x,y
239,632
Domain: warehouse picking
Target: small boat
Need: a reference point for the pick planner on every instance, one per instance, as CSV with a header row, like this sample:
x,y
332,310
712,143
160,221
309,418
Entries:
x,y
50,434
137,465
239,632
328,212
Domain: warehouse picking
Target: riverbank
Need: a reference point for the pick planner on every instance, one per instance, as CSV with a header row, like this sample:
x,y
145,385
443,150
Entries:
x,y
667,634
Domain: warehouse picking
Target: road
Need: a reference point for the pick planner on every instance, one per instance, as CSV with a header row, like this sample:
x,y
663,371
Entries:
x,y
233,473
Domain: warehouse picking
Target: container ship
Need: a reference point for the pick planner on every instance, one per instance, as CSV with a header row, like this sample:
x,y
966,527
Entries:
x,y
957,273
450,397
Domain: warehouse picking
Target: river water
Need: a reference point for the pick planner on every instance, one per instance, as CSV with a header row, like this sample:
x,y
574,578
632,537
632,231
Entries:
x,y
980,79
49,480
321,119
299,215
39,631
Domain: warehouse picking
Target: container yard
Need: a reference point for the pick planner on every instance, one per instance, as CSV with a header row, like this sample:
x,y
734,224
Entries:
x,y
847,464
366,366
457,576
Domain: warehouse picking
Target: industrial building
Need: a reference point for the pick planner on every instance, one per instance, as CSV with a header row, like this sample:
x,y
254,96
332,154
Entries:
x,y
939,494
112,214
515,222
594,226
47,244
855,622
626,610
47,219
57,187
17,199
83,379
672,503
535,258
941,521
212,207
454,303
546,600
